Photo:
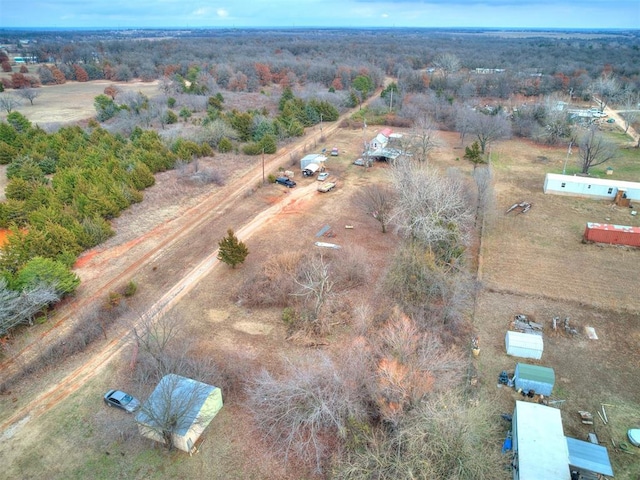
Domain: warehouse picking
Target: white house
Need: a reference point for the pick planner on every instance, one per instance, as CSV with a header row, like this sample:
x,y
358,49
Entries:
x,y
601,188
191,404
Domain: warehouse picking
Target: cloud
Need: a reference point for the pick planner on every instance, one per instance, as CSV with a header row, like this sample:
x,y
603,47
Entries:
x,y
222,12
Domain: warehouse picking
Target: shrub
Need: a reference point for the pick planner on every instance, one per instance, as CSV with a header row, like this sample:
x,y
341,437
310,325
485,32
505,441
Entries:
x,y
131,289
225,145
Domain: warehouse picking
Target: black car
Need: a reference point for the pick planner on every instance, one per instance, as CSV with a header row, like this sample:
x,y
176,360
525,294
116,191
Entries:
x,y
287,182
119,399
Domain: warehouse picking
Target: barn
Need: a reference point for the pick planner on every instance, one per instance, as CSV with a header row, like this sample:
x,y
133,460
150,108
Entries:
x,y
598,188
525,345
541,450
612,234
191,405
539,445
534,377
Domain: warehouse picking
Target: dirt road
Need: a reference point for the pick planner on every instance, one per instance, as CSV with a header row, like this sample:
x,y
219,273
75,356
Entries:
x,y
153,246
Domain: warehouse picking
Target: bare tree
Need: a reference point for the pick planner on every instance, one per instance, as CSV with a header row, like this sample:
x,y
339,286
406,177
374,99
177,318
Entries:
x,y
315,285
431,207
604,89
443,437
421,140
18,308
594,150
306,409
174,407
631,113
411,365
9,102
376,200
29,94
483,177
488,128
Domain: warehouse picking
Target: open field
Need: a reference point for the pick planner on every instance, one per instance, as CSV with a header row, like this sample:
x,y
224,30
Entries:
x,y
532,263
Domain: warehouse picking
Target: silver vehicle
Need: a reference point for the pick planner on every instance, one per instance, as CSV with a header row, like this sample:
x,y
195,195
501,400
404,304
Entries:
x,y
120,399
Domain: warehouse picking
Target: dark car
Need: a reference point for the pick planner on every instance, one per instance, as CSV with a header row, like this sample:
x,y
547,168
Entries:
x,y
287,182
119,399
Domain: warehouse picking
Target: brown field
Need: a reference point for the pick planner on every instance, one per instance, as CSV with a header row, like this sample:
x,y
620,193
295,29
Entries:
x,y
532,263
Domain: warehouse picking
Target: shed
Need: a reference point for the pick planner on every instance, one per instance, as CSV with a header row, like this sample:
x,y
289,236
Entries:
x,y
191,404
539,445
317,158
587,457
525,345
612,234
601,188
534,377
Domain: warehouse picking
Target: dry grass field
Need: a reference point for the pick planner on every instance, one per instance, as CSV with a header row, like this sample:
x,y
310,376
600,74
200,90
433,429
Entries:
x,y
532,263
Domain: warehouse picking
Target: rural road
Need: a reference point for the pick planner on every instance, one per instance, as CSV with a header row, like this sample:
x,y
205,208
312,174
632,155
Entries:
x,y
209,209
620,122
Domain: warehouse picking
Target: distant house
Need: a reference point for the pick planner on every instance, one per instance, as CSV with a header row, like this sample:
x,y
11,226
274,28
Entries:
x,y
599,188
541,450
380,140
189,404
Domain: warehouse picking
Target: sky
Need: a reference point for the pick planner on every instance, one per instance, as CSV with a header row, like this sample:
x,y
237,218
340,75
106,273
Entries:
x,y
556,14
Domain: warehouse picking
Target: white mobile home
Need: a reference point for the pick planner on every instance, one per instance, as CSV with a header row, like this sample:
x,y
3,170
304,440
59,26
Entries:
x,y
525,345
601,188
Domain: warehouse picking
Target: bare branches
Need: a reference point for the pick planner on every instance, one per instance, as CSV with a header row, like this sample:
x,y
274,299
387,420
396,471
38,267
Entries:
x,y
376,200
304,408
315,284
431,208
594,150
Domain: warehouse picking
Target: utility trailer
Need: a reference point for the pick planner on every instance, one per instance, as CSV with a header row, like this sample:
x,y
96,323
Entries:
x,y
326,187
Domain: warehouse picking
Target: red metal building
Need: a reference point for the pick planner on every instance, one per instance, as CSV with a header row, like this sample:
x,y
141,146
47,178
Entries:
x,y
613,234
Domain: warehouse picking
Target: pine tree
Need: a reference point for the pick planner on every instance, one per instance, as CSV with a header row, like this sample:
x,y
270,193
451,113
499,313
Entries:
x,y
231,250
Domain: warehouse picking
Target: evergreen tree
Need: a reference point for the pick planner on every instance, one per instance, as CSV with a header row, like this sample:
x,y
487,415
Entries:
x,y
474,154
231,250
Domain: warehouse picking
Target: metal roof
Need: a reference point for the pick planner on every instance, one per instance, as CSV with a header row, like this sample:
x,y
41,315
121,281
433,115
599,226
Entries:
x,y
589,456
536,373
179,396
541,446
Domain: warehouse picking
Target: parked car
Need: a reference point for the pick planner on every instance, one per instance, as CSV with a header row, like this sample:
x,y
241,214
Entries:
x,y
120,399
287,182
323,176
334,152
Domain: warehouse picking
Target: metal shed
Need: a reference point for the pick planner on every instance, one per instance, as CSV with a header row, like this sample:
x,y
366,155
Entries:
x,y
525,345
612,234
588,457
539,443
190,404
536,378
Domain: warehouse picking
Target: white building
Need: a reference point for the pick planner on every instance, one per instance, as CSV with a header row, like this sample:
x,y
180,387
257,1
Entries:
x,y
601,188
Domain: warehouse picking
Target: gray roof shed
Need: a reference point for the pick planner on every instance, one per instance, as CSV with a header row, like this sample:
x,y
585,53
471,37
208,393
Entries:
x,y
589,456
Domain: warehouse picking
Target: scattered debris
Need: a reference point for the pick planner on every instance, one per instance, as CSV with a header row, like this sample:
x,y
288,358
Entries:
x,y
593,438
555,325
601,418
327,245
523,324
591,333
586,417
522,207
323,230
475,346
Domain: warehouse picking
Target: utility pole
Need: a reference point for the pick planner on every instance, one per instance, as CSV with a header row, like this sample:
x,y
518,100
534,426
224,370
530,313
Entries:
x,y
263,166
564,168
391,102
